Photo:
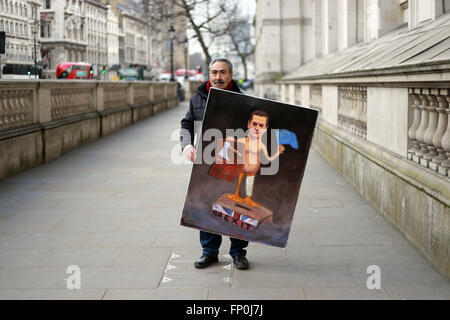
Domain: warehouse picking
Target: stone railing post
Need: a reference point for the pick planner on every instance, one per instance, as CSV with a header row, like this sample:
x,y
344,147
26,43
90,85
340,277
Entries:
x,y
99,97
43,109
150,92
306,94
130,94
291,98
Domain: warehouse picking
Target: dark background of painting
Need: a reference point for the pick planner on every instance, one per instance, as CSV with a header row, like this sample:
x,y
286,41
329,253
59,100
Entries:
x,y
229,110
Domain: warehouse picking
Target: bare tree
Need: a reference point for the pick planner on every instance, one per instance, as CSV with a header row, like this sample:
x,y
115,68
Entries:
x,y
239,32
207,19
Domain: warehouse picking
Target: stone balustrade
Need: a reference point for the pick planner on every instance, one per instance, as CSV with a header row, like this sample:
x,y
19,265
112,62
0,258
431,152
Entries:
x,y
389,136
16,107
316,97
115,95
41,120
429,133
352,110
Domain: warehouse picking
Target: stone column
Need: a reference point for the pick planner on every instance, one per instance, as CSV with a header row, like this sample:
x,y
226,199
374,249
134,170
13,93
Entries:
x,y
330,26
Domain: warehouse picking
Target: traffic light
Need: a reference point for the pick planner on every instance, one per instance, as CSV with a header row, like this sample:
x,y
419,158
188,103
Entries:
x,y
104,70
29,71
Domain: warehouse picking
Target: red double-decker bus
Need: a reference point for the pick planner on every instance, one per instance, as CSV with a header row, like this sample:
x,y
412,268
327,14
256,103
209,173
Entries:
x,y
74,70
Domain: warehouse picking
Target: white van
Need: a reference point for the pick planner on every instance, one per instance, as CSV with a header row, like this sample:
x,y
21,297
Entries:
x,y
165,77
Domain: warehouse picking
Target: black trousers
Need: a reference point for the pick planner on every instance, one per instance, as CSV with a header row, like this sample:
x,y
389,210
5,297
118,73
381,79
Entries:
x,y
211,243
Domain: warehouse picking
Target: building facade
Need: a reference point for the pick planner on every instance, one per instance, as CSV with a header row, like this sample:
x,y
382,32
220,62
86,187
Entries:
x,y
136,41
97,36
377,71
113,38
64,33
20,22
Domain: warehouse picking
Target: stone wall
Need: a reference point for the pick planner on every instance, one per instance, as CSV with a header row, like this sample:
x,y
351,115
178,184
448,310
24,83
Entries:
x,y
40,121
390,141
190,87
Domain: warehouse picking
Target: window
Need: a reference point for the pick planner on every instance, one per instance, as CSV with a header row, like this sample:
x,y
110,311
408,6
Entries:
x,y
47,4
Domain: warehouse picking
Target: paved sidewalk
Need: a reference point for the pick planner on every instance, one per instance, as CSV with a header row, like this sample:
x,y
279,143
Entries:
x,y
113,207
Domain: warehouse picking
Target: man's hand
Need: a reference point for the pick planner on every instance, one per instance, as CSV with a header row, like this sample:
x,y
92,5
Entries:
x,y
189,153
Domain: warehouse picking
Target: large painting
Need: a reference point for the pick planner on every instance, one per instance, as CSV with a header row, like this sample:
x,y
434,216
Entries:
x,y
251,157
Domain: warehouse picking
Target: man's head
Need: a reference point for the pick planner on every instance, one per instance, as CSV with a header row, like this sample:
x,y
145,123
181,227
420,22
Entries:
x,y
258,123
220,73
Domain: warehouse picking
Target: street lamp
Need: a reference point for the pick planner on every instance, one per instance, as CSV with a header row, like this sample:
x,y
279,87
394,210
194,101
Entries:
x,y
185,57
35,29
171,32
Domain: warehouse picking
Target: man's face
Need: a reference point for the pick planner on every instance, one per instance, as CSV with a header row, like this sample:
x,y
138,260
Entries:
x,y
219,75
257,126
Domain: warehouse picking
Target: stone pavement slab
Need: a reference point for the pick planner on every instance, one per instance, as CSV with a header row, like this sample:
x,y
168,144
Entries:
x,y
113,206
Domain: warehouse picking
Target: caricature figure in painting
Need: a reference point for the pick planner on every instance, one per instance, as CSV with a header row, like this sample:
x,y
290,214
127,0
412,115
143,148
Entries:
x,y
248,151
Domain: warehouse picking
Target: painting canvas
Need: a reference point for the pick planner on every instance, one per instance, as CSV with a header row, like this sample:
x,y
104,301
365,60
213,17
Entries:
x,y
251,157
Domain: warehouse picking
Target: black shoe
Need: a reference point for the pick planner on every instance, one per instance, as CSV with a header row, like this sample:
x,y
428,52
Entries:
x,y
240,262
205,261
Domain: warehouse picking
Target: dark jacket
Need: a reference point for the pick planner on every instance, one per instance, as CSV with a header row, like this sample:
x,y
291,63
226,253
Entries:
x,y
196,112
